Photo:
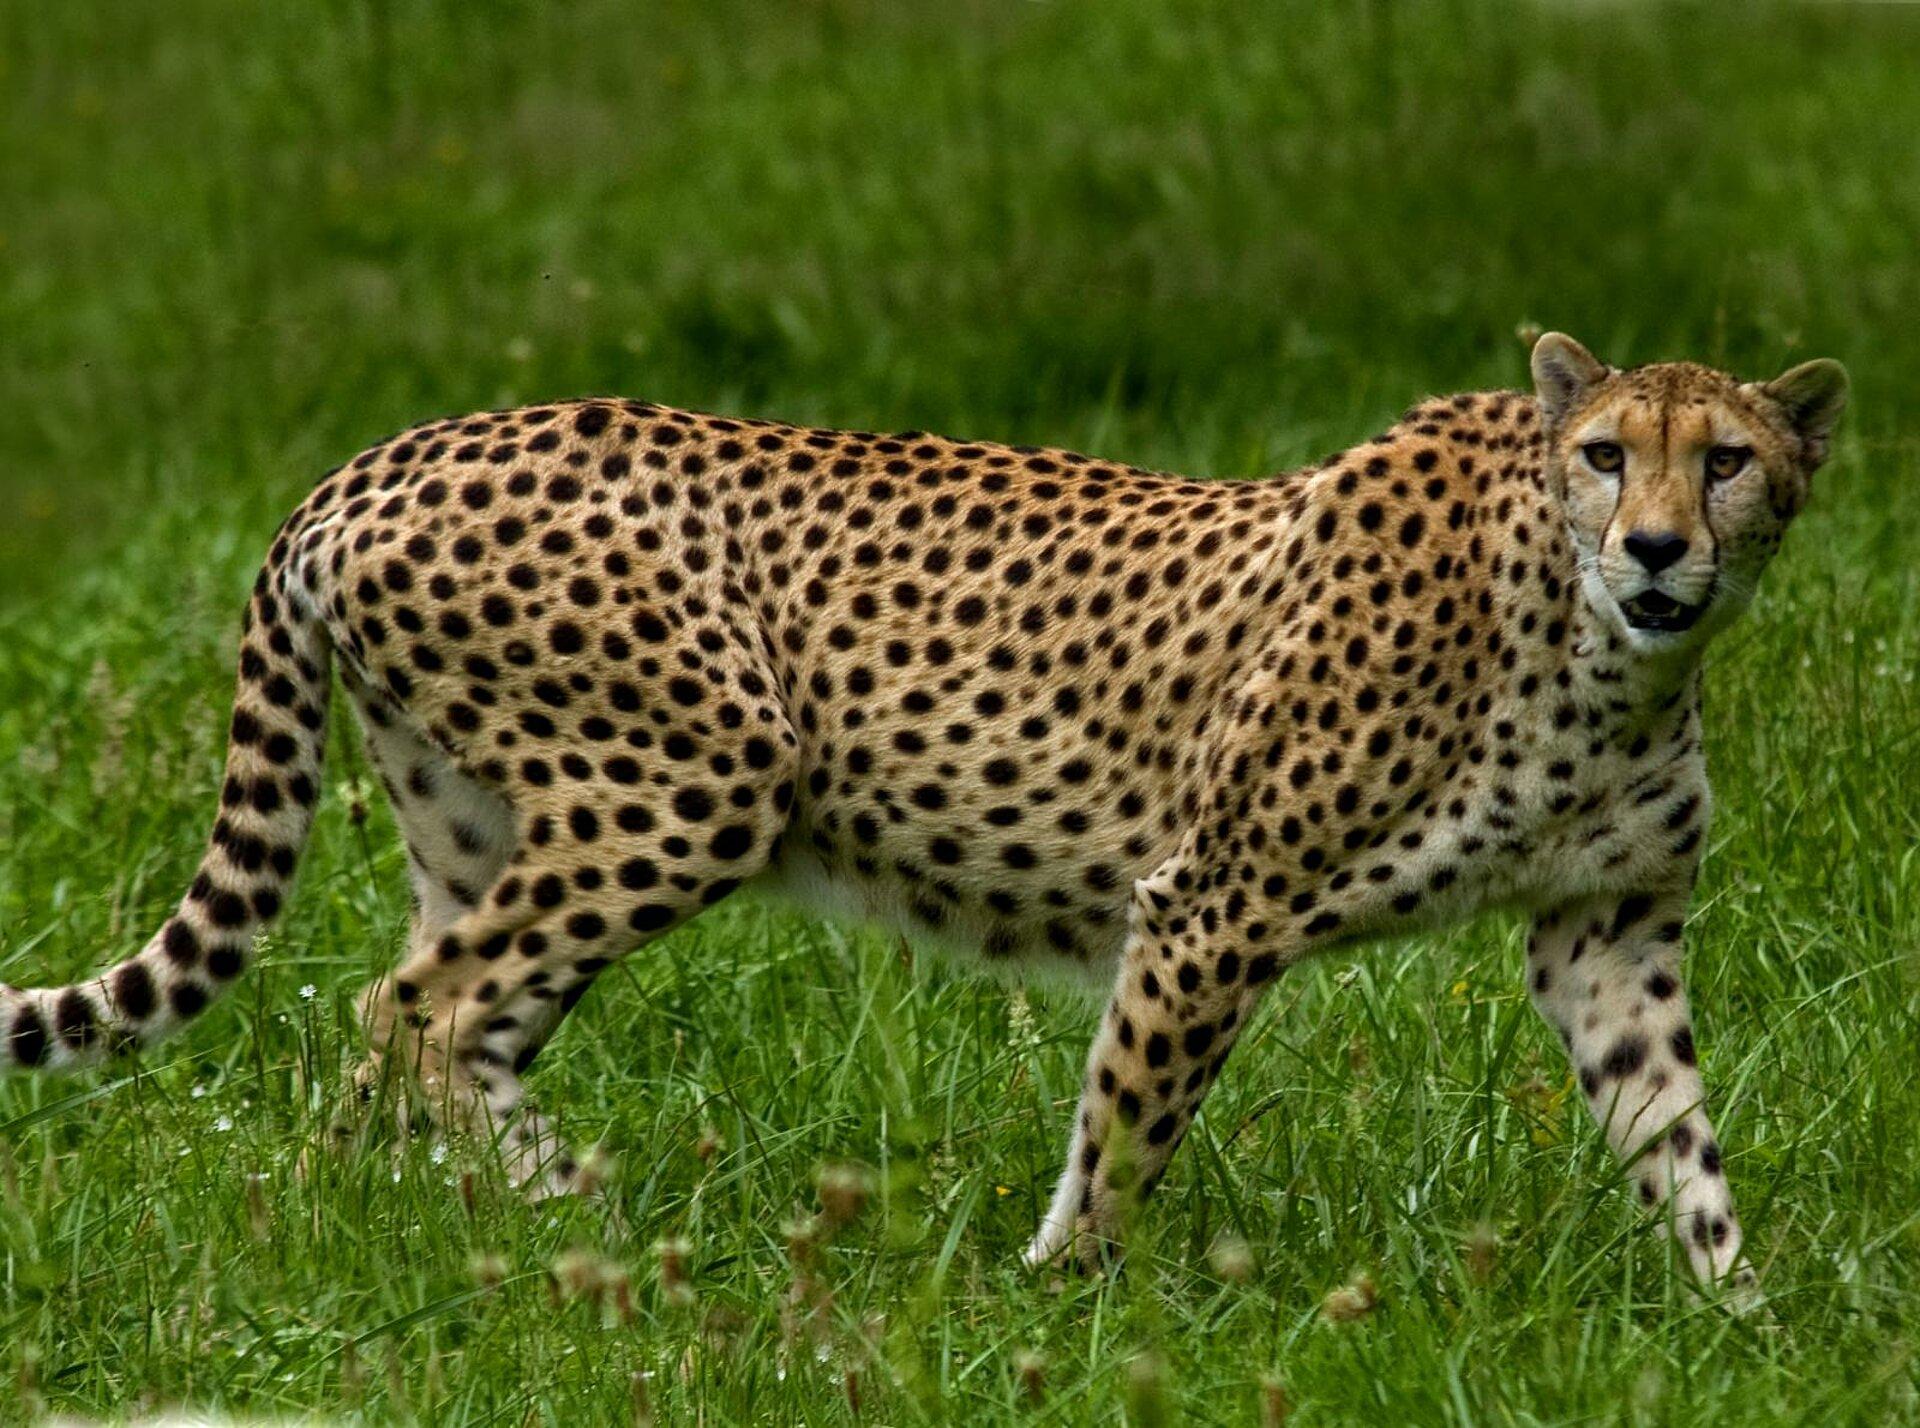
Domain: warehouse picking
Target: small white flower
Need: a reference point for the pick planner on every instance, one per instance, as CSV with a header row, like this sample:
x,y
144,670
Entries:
x,y
224,1123
309,992
1020,1020
198,1092
438,1155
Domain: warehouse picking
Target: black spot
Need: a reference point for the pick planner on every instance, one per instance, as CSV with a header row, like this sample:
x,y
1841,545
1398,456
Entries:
x,y
733,841
1631,910
1628,1055
179,943
650,917
228,909
27,1038
133,991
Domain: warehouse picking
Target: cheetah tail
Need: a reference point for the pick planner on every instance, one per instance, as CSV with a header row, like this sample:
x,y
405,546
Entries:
x,y
274,752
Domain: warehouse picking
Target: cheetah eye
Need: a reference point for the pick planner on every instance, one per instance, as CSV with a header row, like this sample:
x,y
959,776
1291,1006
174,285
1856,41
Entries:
x,y
1605,457
1726,462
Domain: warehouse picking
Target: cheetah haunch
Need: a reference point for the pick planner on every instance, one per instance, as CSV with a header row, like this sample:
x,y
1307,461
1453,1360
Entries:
x,y
614,661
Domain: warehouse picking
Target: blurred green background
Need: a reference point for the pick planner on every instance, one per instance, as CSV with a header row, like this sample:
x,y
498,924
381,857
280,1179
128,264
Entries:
x,y
239,240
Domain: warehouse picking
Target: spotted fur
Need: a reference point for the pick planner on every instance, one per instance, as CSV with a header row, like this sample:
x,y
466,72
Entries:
x,y
614,661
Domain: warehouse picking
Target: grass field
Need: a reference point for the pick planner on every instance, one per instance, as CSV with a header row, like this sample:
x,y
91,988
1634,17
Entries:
x,y
240,240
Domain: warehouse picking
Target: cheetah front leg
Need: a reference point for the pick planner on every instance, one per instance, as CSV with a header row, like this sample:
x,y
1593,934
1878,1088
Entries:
x,y
1188,981
1606,974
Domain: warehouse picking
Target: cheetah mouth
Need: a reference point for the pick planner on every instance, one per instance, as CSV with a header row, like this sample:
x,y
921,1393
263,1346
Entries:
x,y
1652,610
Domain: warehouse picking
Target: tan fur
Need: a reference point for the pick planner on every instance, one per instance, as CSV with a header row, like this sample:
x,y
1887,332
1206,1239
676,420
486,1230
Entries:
x,y
615,660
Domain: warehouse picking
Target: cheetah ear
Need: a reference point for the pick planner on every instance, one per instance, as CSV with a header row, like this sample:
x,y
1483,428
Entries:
x,y
1811,397
1563,373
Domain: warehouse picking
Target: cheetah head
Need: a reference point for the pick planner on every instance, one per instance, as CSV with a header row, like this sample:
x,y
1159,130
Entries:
x,y
1678,481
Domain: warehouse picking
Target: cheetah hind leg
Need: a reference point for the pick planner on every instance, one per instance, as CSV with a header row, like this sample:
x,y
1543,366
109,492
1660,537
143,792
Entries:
x,y
459,835
605,867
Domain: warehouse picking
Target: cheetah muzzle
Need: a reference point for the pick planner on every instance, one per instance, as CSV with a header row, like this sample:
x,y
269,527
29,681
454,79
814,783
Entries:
x,y
613,661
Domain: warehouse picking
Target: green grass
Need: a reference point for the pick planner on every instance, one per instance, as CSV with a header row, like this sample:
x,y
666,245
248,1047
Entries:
x,y
239,240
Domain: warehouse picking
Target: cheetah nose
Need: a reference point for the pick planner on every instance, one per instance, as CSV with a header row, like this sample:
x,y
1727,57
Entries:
x,y
1656,549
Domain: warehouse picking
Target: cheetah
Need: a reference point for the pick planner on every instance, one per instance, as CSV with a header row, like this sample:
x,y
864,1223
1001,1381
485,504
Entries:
x,y
614,661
